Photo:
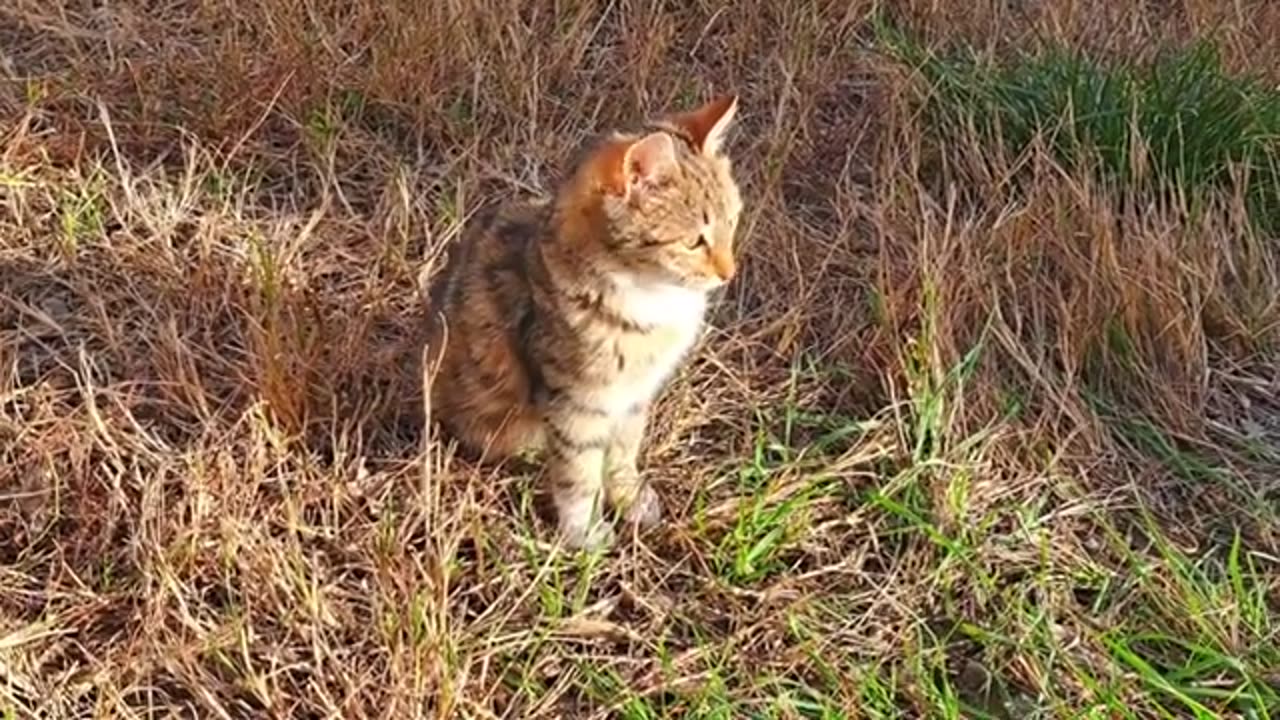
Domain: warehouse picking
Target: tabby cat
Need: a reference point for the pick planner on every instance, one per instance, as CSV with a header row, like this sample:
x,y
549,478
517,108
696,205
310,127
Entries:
x,y
555,323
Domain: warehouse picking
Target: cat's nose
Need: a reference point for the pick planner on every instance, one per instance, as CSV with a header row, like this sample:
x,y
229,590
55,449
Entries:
x,y
722,262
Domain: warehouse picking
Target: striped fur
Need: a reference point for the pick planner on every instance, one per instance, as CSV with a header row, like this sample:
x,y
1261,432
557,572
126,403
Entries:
x,y
556,323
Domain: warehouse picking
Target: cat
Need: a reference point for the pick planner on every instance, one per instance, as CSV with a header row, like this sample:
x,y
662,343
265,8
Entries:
x,y
555,323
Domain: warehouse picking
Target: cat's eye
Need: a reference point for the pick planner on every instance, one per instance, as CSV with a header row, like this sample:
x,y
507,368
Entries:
x,y
699,242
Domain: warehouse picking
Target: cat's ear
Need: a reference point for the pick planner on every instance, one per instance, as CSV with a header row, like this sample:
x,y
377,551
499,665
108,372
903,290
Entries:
x,y
623,167
706,125
649,159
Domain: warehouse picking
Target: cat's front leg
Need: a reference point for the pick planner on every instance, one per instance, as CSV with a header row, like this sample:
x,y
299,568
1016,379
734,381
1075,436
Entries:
x,y
576,445
626,490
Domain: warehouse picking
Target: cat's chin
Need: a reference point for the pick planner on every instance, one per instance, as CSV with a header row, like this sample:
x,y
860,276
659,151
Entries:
x,y
669,283
700,285
706,285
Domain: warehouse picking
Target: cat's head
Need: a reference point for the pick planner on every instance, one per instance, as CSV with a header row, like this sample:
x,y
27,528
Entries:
x,y
667,199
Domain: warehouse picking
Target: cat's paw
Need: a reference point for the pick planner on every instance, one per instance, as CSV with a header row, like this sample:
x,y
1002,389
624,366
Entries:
x,y
583,536
646,510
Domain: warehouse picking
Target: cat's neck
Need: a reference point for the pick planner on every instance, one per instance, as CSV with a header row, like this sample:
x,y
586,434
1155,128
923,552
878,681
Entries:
x,y
654,303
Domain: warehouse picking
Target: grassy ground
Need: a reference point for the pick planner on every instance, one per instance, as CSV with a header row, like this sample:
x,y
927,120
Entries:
x,y
987,426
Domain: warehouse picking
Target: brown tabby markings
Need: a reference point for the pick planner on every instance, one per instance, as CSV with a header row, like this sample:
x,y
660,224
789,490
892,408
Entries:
x,y
557,322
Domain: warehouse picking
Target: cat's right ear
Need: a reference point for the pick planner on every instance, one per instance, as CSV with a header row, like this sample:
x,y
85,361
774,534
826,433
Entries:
x,y
643,162
649,159
707,125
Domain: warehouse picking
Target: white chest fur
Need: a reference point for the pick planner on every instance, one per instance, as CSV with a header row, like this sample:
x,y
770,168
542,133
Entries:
x,y
672,317
659,305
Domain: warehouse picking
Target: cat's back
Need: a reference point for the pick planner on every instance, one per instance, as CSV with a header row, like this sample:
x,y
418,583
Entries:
x,y
477,305
489,257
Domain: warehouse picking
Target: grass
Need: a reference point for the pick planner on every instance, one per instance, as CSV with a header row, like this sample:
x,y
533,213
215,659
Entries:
x,y
1180,128
987,427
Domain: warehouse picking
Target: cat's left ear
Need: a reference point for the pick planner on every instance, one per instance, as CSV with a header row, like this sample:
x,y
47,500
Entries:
x,y
706,125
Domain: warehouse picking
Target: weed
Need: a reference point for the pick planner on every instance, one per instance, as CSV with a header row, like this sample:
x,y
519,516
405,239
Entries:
x,y
1179,126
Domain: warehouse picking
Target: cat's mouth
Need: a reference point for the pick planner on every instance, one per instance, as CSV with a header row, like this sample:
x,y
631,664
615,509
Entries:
x,y
704,283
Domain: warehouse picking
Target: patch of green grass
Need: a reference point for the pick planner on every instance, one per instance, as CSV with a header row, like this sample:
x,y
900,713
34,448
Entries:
x,y
1178,126
603,684
879,692
15,179
775,697
769,518
564,579
80,216
798,700
1156,443
325,122
520,676
1199,634
786,474
756,543
1191,464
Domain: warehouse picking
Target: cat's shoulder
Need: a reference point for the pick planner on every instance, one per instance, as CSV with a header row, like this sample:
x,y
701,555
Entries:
x,y
494,235
498,234
506,223
522,211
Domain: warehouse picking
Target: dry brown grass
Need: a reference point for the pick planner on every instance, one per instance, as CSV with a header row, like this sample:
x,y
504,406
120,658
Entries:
x,y
218,497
